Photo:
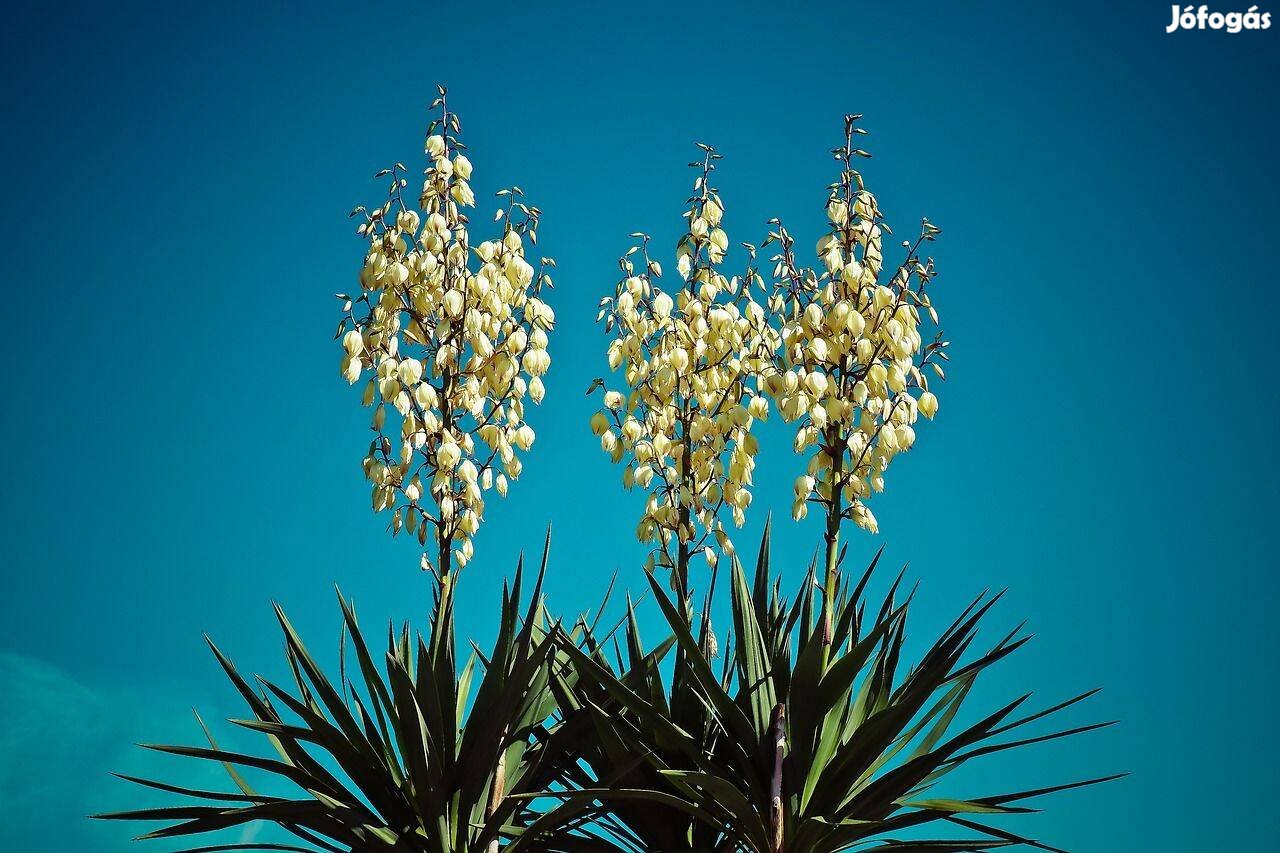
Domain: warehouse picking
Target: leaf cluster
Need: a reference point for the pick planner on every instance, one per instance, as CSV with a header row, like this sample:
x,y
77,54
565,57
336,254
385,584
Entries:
x,y
581,739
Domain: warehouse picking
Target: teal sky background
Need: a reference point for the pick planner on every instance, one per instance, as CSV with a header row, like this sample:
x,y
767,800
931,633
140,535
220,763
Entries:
x,y
180,451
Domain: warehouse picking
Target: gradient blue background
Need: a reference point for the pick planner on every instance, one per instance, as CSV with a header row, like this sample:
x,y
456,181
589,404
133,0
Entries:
x,y
179,450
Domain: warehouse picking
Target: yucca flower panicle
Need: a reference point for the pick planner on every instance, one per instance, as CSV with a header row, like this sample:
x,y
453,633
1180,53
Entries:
x,y
453,335
691,358
854,366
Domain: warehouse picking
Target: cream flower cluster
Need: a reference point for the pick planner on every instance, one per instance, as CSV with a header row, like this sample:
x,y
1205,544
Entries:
x,y
453,337
851,368
691,359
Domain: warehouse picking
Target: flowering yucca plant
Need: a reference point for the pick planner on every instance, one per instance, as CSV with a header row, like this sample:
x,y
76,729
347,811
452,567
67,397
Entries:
x,y
690,360
397,756
809,739
852,352
455,335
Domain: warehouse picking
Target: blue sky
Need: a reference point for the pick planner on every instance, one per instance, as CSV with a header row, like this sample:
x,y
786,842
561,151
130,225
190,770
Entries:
x,y
180,451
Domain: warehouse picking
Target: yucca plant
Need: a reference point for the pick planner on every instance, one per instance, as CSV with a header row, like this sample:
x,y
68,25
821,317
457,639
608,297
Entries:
x,y
810,738
815,746
689,349
392,757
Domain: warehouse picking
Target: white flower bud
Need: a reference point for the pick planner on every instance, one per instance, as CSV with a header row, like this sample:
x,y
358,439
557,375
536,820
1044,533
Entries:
x,y
425,396
837,212
453,302
407,221
447,455
712,211
662,306
410,372
804,486
519,271
351,367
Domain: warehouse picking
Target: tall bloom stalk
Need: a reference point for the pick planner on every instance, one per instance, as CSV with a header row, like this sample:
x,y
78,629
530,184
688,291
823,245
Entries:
x,y
454,337
691,359
853,368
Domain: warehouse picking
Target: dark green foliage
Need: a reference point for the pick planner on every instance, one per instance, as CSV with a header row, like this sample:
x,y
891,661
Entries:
x,y
794,745
418,769
786,744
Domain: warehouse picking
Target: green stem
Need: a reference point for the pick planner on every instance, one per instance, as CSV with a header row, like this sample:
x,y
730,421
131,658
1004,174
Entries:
x,y
832,536
498,791
776,820
444,557
682,561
